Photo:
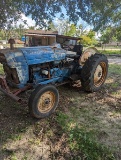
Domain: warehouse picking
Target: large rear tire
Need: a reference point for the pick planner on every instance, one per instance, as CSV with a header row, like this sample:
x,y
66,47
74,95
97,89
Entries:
x,y
94,72
43,101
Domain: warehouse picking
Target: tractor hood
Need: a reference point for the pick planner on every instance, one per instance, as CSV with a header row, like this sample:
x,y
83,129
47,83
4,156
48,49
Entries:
x,y
21,58
43,54
33,55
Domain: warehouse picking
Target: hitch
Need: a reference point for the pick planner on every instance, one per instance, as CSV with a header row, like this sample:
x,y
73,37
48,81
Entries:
x,y
6,90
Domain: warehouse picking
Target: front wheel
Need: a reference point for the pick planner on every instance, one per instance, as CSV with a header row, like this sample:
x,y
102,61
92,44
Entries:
x,y
94,72
43,101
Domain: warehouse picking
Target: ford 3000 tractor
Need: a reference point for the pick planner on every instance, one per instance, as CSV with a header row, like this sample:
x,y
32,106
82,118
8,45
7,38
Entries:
x,y
49,60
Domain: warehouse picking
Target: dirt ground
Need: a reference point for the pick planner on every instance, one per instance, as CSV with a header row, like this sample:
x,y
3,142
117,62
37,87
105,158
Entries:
x,y
25,138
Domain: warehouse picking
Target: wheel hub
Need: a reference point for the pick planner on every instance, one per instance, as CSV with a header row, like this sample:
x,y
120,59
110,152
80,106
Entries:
x,y
99,74
46,102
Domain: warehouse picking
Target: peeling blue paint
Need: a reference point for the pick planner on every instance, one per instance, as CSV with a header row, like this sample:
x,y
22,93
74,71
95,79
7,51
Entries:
x,y
43,54
22,58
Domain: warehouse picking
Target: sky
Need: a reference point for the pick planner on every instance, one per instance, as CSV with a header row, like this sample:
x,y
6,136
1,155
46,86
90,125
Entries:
x,y
31,22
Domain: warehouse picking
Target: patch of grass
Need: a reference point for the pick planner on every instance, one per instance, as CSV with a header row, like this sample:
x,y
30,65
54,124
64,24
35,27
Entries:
x,y
13,157
116,93
14,134
115,85
115,113
49,133
110,52
35,141
81,141
15,137
115,69
1,69
75,112
16,106
25,157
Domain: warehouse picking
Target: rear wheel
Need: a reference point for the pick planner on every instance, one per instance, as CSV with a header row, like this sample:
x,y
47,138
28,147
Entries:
x,y
94,72
43,101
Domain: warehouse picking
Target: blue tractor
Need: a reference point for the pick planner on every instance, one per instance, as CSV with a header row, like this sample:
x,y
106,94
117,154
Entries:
x,y
49,60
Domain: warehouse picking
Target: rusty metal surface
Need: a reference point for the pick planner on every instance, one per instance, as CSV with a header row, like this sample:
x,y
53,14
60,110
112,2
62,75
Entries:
x,y
6,90
3,83
100,74
68,37
12,42
38,35
41,32
46,102
11,95
2,58
11,74
22,90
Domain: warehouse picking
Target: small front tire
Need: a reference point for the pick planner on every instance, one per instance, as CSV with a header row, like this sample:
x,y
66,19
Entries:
x,y
43,101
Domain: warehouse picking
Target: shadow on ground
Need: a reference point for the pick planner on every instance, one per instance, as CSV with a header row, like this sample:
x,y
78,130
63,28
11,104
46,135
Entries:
x,y
23,137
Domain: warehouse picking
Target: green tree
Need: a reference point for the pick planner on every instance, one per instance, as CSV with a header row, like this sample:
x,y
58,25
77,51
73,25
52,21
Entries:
x,y
9,13
14,31
71,31
20,30
99,13
62,26
88,38
118,33
86,41
91,34
2,34
51,26
111,34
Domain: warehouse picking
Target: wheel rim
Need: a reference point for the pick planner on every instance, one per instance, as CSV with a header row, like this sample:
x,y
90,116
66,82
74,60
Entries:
x,y
46,102
100,74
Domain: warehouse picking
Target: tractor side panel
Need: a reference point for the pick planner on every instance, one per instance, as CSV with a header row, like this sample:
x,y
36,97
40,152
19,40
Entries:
x,y
17,63
43,54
